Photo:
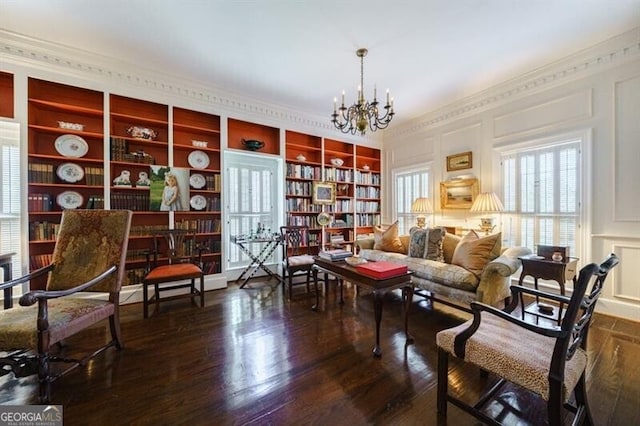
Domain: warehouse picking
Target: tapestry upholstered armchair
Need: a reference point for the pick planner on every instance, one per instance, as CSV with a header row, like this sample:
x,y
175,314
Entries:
x,y
89,256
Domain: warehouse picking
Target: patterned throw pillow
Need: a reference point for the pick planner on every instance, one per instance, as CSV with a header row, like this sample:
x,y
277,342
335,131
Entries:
x,y
417,239
473,253
433,245
387,240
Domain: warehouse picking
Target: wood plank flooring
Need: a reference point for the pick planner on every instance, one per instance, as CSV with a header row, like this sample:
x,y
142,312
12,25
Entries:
x,y
252,357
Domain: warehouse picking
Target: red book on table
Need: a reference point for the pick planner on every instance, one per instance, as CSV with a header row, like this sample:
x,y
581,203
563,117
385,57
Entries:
x,y
381,269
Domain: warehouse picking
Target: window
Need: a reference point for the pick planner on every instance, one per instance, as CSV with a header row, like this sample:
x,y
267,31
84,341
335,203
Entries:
x,y
251,188
10,237
542,195
409,185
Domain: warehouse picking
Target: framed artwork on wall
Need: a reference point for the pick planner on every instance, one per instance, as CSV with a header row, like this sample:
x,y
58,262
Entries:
x,y
324,193
458,194
460,161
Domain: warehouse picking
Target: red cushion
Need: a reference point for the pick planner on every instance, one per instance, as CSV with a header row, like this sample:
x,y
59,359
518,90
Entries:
x,y
172,272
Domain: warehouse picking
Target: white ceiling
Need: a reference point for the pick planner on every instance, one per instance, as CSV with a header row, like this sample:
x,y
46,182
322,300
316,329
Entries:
x,y
301,53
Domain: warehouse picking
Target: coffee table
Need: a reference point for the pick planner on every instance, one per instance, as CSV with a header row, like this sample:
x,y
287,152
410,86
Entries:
x,y
344,272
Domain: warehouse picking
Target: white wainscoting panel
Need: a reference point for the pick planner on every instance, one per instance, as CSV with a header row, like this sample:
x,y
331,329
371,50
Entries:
x,y
549,113
627,150
626,283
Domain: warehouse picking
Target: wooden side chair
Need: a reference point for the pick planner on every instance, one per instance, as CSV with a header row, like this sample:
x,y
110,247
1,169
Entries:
x,y
296,256
89,256
176,256
549,361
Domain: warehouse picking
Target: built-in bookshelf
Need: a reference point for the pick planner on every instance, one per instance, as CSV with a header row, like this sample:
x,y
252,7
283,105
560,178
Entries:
x,y
6,95
65,160
355,171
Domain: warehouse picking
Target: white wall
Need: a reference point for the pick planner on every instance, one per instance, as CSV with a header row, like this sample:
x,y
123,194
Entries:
x,y
595,93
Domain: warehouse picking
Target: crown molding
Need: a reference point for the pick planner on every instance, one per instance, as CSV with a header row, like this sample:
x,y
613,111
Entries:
x,y
52,57
615,51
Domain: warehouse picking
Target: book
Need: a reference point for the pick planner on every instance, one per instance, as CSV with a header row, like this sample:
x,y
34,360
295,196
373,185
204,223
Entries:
x,y
381,269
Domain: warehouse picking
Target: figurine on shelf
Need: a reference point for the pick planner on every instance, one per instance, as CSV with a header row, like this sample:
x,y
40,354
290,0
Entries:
x,y
124,179
143,179
170,194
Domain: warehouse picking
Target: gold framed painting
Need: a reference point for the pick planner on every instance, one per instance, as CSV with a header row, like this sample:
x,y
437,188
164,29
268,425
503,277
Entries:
x,y
460,161
458,194
324,193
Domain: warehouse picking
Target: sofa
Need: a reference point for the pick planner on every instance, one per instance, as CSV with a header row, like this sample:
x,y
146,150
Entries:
x,y
458,270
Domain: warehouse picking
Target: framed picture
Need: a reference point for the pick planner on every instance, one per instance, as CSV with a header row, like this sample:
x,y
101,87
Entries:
x,y
459,161
458,194
324,193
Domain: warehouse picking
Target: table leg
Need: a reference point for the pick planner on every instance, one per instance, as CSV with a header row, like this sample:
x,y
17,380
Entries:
x,y
315,286
8,292
378,297
407,296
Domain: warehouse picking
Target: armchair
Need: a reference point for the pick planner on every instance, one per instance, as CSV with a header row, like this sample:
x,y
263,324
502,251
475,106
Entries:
x,y
176,256
89,255
550,361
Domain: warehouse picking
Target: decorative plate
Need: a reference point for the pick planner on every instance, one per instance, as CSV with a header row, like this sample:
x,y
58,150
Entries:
x,y
323,219
198,160
197,181
198,202
71,146
69,200
70,172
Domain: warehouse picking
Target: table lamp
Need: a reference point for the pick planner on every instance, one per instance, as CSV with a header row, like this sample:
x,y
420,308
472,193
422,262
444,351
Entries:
x,y
422,206
487,202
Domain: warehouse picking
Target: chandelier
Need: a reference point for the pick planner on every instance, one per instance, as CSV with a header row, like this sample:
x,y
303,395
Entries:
x,y
362,114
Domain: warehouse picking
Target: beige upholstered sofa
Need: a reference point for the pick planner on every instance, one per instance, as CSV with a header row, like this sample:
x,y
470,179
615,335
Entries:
x,y
458,269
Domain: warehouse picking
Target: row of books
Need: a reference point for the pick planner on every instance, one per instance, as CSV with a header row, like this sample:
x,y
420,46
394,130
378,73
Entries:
x,y
120,152
38,261
43,231
301,171
368,206
367,178
40,202
338,175
299,188
302,205
200,225
130,201
371,219
367,192
213,182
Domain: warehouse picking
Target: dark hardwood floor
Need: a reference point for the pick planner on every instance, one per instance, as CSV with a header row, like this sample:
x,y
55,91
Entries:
x,y
251,357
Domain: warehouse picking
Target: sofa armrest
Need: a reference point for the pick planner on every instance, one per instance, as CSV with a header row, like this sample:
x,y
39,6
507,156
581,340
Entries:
x,y
495,279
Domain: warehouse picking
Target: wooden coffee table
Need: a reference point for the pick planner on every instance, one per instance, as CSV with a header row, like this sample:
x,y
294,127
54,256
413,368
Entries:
x,y
345,272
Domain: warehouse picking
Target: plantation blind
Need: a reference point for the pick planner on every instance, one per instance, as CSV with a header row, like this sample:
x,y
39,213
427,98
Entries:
x,y
542,196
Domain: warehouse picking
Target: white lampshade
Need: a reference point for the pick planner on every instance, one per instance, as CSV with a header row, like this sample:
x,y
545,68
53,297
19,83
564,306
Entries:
x,y
487,202
421,206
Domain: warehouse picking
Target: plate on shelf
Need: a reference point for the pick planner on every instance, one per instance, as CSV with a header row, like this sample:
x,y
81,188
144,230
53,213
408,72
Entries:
x,y
197,181
198,202
71,146
69,200
198,160
70,172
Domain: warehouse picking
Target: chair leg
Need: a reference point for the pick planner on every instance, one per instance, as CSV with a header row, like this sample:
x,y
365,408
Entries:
x,y
555,404
202,291
156,288
582,400
43,378
145,300
443,382
290,285
114,326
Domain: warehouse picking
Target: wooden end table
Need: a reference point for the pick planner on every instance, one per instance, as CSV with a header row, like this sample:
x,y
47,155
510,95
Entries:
x,y
344,272
547,269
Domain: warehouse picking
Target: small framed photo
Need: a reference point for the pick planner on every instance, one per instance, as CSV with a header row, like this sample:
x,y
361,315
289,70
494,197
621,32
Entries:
x,y
459,161
324,193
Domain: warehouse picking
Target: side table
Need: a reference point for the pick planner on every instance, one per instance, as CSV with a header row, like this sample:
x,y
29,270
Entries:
x,y
539,267
6,265
269,245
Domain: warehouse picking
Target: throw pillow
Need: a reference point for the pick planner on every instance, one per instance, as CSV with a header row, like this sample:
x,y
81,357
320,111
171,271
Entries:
x,y
417,239
387,240
433,245
473,253
449,244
